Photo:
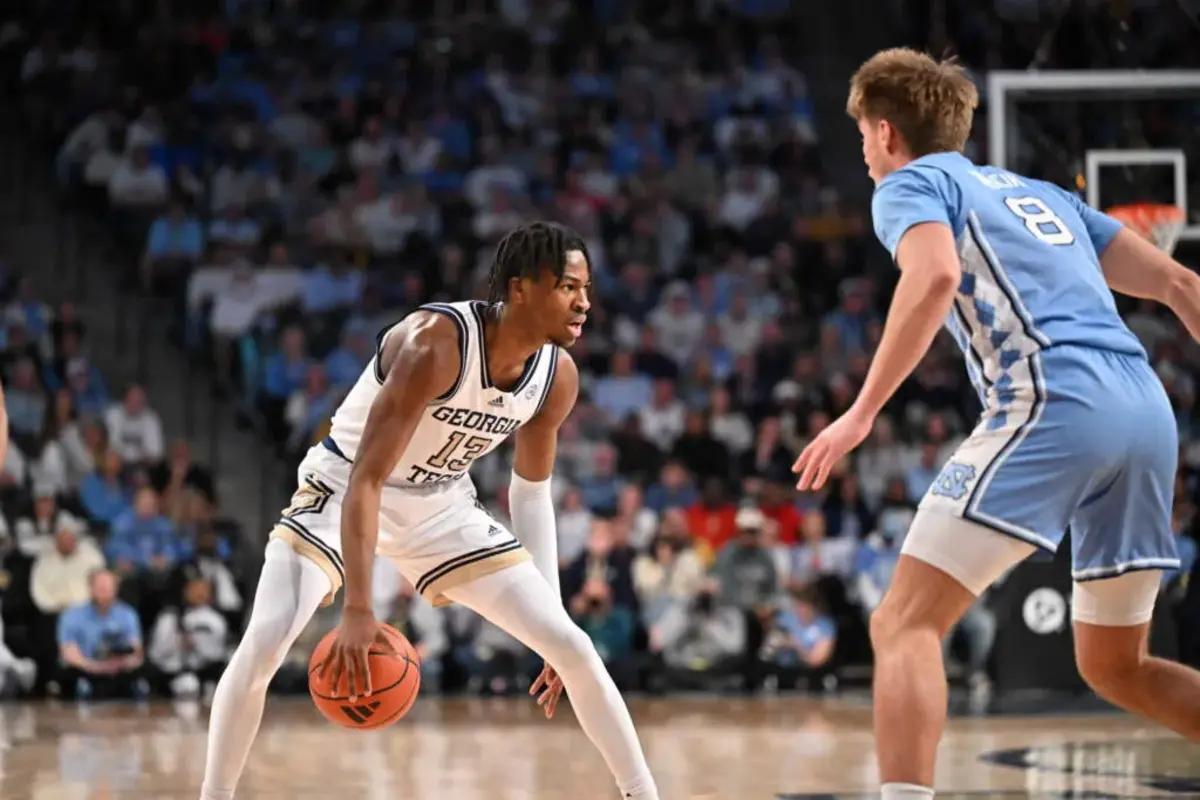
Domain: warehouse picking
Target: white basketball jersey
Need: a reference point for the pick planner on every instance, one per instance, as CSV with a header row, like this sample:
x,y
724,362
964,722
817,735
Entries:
x,y
471,419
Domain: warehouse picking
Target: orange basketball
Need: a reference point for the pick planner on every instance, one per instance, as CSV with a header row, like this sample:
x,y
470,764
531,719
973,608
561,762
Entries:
x,y
395,680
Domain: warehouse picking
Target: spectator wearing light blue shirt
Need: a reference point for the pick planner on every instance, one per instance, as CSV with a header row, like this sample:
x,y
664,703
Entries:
x,y
100,641
175,244
346,362
332,286
25,402
102,494
920,476
802,637
622,392
143,538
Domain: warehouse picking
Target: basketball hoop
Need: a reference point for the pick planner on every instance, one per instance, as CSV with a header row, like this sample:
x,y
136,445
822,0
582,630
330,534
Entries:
x,y
1158,222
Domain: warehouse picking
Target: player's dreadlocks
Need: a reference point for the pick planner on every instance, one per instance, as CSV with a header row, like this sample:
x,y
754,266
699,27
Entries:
x,y
529,249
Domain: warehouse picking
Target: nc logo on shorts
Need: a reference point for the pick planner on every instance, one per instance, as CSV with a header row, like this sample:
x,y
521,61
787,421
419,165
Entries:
x,y
954,480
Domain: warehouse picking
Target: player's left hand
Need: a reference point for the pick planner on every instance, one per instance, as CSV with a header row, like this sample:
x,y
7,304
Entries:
x,y
550,686
358,632
831,445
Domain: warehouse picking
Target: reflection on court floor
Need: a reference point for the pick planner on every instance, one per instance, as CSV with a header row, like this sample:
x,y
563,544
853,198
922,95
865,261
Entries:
x,y
702,748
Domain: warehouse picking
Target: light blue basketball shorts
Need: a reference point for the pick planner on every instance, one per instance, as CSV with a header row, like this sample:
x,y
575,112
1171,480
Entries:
x,y
1077,437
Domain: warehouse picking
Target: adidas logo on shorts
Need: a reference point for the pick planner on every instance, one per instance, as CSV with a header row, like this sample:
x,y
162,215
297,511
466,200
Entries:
x,y
494,531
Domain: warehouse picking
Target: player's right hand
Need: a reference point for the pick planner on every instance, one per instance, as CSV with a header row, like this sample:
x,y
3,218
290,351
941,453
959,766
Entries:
x,y
358,631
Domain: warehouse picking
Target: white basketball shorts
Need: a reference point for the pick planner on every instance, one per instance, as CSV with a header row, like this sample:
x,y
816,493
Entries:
x,y
438,537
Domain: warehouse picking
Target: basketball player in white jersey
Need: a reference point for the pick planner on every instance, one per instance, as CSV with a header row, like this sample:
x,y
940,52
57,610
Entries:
x,y
447,385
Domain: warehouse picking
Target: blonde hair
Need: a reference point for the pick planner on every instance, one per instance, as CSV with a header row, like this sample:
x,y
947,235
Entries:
x,y
931,103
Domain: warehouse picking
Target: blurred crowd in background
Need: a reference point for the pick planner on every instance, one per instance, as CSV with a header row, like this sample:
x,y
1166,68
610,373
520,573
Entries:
x,y
294,183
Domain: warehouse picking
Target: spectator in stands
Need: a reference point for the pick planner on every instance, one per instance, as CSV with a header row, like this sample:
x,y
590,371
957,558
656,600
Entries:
x,y
234,230
641,522
601,489
622,391
345,364
332,285
138,186
769,458
17,675
189,646
606,558
674,489
25,402
209,559
712,521
142,539
873,567
46,459
574,523
638,458
662,420
308,409
87,386
100,643
881,458
703,641
177,478
60,573
174,247
35,534
744,570
669,572
921,475
777,504
609,626
699,451
846,512
818,556
801,639
284,372
79,440
134,429
728,425
103,493
678,325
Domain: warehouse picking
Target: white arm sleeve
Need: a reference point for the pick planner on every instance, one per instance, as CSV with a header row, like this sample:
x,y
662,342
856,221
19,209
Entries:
x,y
532,511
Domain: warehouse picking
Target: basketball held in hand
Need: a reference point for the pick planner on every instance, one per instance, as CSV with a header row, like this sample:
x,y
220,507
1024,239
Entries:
x,y
395,680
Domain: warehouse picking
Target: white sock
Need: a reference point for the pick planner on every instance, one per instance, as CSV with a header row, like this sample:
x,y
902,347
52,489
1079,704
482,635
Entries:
x,y
290,589
519,600
905,791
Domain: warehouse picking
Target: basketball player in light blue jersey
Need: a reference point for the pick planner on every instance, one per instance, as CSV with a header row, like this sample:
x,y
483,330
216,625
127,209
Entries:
x,y
1076,428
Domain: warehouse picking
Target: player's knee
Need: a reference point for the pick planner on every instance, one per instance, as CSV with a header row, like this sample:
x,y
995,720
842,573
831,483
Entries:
x,y
266,641
571,647
884,626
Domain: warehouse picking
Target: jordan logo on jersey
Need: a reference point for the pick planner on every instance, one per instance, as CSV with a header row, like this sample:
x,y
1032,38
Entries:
x,y
954,480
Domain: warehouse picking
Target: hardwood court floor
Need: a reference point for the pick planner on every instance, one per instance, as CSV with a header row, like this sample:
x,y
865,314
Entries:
x,y
780,748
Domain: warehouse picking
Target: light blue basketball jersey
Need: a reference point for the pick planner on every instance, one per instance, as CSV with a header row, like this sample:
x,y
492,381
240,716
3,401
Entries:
x,y
1029,254
1076,428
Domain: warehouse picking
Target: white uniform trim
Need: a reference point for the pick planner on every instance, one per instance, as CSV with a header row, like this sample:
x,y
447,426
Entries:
x,y
1100,573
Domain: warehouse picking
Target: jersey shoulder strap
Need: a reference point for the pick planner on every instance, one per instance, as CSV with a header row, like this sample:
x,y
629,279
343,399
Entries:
x,y
460,323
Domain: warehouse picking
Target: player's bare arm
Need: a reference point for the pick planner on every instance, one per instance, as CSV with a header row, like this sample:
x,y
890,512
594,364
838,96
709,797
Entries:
x,y
536,446
1136,267
420,361
930,274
